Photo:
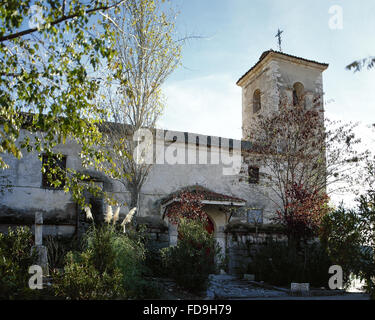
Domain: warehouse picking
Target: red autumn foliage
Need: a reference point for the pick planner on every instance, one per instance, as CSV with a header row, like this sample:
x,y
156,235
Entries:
x,y
303,211
186,205
189,205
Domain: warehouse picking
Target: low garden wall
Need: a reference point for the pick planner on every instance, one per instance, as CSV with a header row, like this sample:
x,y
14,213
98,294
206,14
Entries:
x,y
157,231
243,240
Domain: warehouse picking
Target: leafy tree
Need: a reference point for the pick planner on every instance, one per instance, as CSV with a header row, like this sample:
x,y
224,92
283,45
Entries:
x,y
341,237
304,212
358,65
48,79
302,156
367,227
349,237
147,53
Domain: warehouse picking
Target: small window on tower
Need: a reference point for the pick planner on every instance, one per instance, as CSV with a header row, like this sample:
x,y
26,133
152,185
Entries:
x,y
253,175
298,93
257,105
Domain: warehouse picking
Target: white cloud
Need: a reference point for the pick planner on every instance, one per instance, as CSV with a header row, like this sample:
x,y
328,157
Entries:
x,y
208,105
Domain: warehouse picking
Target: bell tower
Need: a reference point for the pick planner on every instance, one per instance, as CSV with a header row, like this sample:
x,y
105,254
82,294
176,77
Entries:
x,y
277,76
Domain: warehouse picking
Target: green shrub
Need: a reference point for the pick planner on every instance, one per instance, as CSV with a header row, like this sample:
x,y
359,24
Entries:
x,y
82,281
341,236
15,260
130,257
192,260
111,266
91,274
317,265
349,238
154,263
99,243
57,249
278,263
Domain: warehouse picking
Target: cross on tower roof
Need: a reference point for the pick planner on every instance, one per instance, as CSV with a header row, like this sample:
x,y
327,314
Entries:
x,y
278,35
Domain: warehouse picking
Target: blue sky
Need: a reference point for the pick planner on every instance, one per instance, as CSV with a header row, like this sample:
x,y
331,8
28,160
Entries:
x,y
236,32
202,97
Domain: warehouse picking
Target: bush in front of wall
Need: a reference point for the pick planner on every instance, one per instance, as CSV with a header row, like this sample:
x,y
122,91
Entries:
x,y
80,280
111,266
57,249
191,261
15,259
280,263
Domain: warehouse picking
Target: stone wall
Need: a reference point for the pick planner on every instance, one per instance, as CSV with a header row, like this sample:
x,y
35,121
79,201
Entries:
x,y
243,240
275,77
157,231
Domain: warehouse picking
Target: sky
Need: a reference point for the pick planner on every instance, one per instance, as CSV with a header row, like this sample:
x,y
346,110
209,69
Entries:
x,y
228,37
234,35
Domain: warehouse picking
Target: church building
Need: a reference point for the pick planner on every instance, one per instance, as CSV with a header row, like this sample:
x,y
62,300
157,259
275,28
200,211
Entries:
x,y
234,200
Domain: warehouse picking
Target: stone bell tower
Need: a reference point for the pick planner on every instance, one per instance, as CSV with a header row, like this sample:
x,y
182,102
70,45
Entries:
x,y
276,76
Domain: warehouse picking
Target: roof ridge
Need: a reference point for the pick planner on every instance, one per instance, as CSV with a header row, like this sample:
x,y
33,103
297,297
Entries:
x,y
266,53
205,190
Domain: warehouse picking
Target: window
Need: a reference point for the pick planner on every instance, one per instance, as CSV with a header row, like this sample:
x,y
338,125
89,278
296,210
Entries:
x,y
298,93
255,216
253,175
56,168
257,105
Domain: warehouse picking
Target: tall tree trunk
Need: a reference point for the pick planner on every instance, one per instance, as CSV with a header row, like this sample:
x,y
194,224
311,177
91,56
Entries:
x,y
133,197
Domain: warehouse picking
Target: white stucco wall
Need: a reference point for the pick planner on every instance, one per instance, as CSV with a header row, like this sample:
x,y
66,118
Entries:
x,y
28,195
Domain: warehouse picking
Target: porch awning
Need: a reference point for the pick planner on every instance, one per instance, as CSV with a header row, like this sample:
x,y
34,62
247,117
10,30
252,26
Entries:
x,y
208,196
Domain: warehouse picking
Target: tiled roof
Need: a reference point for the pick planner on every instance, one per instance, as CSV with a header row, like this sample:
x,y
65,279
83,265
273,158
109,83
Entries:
x,y
207,194
266,53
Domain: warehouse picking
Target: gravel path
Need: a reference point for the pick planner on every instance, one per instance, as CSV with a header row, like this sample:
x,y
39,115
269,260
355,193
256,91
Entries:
x,y
231,288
